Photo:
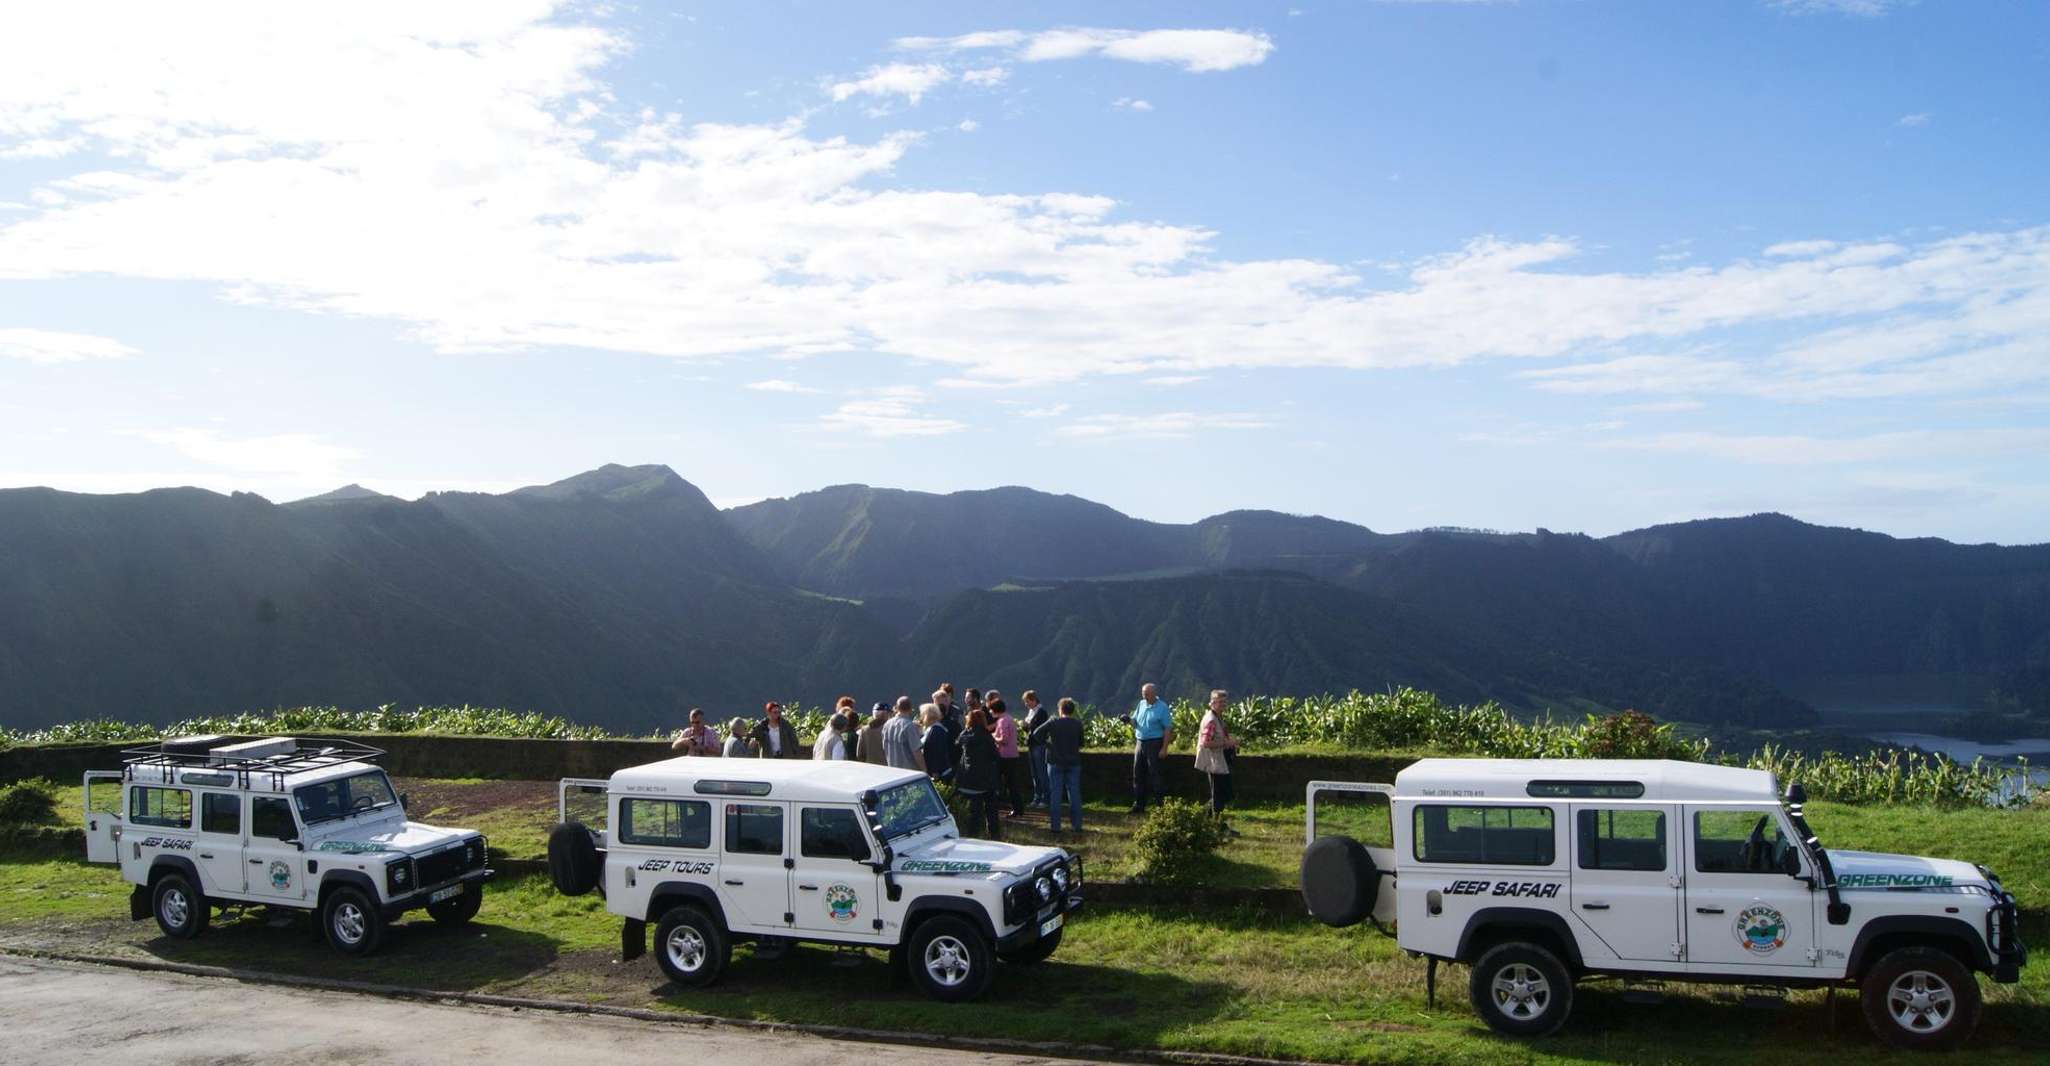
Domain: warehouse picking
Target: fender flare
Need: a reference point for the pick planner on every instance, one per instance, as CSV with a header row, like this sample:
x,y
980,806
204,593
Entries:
x,y
334,879
670,893
923,907
1494,917
1924,927
143,898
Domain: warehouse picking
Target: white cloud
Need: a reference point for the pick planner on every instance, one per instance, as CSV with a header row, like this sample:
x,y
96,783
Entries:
x,y
1919,118
779,385
1196,51
53,346
1793,249
1169,424
968,125
986,77
1802,450
908,80
303,455
1129,104
1860,8
889,412
1169,381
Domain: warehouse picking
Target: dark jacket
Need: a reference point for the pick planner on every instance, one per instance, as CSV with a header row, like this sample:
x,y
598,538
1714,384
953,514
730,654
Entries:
x,y
1034,718
938,746
1062,737
976,770
791,748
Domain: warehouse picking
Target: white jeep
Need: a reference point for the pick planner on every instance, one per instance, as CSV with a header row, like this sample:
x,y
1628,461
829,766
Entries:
x,y
1541,873
717,851
196,823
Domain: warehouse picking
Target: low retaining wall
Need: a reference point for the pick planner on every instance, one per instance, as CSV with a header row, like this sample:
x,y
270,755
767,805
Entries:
x,y
1259,778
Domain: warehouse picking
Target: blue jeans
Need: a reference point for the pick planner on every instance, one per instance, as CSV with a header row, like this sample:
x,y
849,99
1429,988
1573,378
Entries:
x,y
1066,782
1039,792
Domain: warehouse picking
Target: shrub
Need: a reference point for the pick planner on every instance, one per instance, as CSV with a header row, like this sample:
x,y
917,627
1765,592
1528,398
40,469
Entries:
x,y
27,803
1174,842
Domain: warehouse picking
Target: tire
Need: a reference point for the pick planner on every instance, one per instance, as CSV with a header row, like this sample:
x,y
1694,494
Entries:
x,y
1920,998
573,859
181,909
1339,881
1039,951
949,959
691,947
460,910
351,921
1521,989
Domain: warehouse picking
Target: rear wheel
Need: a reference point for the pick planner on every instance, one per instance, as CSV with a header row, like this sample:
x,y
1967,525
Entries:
x,y
949,959
1521,989
351,921
691,947
460,910
181,910
1920,998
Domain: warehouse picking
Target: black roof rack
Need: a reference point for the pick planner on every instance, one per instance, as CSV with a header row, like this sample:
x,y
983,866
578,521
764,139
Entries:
x,y
194,753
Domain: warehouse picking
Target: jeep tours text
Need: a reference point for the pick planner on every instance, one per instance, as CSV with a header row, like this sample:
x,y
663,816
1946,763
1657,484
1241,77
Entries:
x,y
712,852
1541,873
196,823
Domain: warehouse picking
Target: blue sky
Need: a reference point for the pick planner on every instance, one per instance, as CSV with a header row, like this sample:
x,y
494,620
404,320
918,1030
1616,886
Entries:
x,y
1579,265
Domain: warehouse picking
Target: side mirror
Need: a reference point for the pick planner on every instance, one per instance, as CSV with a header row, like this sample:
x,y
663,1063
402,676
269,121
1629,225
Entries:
x,y
1796,794
405,801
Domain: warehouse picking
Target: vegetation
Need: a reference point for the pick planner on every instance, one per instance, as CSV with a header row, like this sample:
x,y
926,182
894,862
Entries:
x,y
1173,841
27,803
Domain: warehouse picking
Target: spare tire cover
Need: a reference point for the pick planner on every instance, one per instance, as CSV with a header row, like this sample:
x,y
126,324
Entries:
x,y
1340,882
572,859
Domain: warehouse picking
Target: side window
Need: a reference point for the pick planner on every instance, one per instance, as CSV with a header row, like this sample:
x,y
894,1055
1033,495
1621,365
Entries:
x,y
831,833
754,829
168,807
1499,836
1741,842
271,819
666,823
1625,839
220,812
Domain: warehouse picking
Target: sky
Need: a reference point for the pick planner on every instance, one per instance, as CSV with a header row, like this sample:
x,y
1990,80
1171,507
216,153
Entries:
x,y
1553,263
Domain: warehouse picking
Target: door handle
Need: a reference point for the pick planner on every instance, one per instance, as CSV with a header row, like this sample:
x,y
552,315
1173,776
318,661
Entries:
x,y
205,855
736,882
1594,906
256,862
808,888
1708,910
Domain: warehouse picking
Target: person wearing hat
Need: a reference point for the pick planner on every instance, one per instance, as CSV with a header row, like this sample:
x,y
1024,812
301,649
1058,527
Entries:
x,y
869,746
738,744
776,738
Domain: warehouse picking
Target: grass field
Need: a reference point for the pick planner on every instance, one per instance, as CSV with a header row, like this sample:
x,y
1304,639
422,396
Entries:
x,y
1190,977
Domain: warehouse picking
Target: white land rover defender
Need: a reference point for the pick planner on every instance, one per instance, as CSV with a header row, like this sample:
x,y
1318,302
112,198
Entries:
x,y
1541,873
716,851
196,823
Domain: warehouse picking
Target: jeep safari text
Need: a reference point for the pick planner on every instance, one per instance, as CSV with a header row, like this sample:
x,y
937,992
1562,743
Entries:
x,y
1541,873
197,823
712,852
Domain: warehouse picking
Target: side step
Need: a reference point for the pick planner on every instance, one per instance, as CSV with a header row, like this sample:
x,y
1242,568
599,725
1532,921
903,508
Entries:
x,y
1648,993
1764,997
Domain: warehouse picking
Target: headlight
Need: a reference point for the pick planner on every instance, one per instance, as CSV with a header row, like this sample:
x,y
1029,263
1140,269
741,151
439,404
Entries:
x,y
1044,887
398,875
1060,878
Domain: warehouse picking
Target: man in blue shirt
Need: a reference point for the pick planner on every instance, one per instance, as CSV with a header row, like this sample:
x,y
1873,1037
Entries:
x,y
1153,724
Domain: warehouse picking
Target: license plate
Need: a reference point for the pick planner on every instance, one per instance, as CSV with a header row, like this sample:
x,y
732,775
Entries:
x,y
450,892
1051,924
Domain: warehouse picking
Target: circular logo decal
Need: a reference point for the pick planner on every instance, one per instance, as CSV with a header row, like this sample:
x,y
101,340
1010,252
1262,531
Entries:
x,y
280,875
1761,929
842,905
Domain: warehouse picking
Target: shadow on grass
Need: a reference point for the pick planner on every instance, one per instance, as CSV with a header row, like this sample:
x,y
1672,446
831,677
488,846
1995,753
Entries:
x,y
420,953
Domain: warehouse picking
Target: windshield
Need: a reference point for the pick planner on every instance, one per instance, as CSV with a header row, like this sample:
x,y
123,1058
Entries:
x,y
343,796
910,807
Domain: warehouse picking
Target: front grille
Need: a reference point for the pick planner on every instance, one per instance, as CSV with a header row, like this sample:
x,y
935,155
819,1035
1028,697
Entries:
x,y
450,863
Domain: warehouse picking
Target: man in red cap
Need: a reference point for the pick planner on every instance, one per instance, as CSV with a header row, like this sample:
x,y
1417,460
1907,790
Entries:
x,y
776,738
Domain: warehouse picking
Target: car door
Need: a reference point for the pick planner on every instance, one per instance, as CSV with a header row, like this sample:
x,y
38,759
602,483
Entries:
x,y
1746,910
102,800
218,850
272,861
754,865
833,891
1626,879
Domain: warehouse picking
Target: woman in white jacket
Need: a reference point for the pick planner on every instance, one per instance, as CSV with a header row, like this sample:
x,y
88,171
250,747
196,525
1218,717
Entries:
x,y
1215,749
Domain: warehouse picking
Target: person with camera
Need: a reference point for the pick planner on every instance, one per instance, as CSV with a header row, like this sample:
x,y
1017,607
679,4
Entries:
x,y
1153,731
1216,751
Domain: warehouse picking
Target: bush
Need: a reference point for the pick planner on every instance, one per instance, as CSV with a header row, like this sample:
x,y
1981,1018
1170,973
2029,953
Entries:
x,y
27,803
1174,842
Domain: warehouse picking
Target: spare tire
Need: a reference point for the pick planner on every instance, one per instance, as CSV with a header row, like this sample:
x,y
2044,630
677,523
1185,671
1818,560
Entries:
x,y
572,859
1340,882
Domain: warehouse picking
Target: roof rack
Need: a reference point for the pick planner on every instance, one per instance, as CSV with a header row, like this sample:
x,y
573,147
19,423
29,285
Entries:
x,y
197,753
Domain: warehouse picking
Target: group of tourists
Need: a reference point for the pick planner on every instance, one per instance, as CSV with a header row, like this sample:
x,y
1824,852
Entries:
x,y
994,758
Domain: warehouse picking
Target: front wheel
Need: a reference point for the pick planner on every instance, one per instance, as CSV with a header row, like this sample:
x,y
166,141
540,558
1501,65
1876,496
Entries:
x,y
1920,998
950,959
181,911
460,910
352,922
1039,951
1521,989
691,947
